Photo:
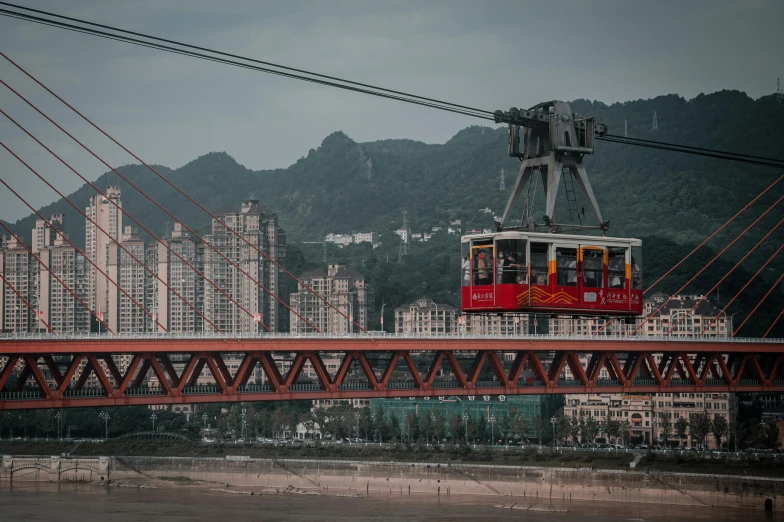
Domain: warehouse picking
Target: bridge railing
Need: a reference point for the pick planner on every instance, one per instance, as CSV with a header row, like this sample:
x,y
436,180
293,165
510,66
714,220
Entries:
x,y
94,336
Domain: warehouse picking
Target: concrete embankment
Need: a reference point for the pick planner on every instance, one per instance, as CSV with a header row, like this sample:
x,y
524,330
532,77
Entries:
x,y
514,483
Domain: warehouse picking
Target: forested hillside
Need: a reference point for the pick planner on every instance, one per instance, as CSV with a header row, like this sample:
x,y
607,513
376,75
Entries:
x,y
670,200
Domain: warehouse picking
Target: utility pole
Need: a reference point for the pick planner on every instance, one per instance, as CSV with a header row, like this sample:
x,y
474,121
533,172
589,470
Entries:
x,y
502,185
655,125
404,247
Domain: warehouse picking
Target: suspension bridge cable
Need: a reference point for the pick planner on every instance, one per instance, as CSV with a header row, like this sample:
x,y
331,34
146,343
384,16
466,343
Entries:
x,y
26,302
709,263
771,258
125,178
776,320
118,243
201,274
59,280
81,252
213,216
705,296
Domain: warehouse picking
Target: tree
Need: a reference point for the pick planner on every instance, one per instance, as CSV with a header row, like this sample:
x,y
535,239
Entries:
x,y
666,426
539,428
589,427
625,432
681,427
613,429
455,423
770,435
425,426
395,428
519,426
563,428
381,425
439,426
719,428
699,426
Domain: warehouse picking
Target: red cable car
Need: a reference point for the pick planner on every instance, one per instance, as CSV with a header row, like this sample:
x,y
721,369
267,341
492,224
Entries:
x,y
532,272
520,270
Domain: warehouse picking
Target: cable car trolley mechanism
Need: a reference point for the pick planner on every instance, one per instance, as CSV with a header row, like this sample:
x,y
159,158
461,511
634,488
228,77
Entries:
x,y
534,267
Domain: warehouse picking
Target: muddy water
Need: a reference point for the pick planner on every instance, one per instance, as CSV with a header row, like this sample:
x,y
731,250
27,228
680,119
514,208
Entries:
x,y
80,502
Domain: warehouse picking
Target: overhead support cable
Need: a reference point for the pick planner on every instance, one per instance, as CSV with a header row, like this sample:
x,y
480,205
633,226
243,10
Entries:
x,y
678,148
776,320
118,243
630,141
168,182
758,272
58,278
26,302
65,238
707,265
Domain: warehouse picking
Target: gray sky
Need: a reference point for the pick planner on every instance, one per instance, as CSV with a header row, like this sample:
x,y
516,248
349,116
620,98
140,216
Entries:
x,y
171,109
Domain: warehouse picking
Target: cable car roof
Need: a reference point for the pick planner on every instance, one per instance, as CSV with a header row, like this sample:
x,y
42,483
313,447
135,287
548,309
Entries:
x,y
553,238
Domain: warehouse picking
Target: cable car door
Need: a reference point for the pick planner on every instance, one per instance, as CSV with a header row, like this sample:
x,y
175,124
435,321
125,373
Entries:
x,y
482,276
592,277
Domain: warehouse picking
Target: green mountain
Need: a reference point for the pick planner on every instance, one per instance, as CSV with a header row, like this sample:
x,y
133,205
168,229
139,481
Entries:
x,y
671,200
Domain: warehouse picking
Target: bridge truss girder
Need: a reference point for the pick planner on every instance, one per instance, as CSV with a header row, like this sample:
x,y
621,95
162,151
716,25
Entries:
x,y
36,380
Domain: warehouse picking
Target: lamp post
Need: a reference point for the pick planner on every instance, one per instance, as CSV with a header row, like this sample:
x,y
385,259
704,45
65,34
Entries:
x,y
465,421
58,416
105,416
153,417
492,429
382,316
243,429
553,421
204,419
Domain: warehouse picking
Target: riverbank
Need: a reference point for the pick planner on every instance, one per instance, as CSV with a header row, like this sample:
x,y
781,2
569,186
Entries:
x,y
764,466
522,485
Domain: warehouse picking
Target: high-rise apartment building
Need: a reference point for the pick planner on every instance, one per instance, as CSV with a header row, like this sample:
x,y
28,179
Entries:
x,y
341,286
177,312
109,218
239,265
138,283
58,306
20,271
45,235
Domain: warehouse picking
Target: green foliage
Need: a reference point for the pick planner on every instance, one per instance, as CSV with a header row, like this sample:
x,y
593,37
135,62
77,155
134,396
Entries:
x,y
671,201
700,426
681,427
719,427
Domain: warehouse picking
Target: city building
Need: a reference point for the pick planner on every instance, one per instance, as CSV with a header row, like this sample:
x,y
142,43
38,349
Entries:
x,y
62,265
177,312
495,325
650,415
44,235
107,216
124,314
260,232
20,271
344,288
424,316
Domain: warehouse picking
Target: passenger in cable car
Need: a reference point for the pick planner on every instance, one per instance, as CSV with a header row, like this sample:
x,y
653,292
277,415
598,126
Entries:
x,y
483,268
512,270
615,269
466,271
499,267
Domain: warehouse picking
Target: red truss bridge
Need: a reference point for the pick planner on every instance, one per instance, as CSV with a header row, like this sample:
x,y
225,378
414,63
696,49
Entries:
x,y
41,371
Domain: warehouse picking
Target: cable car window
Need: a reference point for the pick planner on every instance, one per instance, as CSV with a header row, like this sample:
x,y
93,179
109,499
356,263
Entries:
x,y
465,265
637,267
616,267
593,268
566,266
511,267
482,263
539,263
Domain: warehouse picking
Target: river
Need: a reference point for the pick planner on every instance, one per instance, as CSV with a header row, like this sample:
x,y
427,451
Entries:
x,y
80,502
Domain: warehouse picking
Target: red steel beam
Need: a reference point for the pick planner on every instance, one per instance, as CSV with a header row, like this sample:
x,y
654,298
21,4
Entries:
x,y
86,345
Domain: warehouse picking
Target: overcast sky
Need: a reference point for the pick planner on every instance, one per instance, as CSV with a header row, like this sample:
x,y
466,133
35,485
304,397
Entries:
x,y
171,109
